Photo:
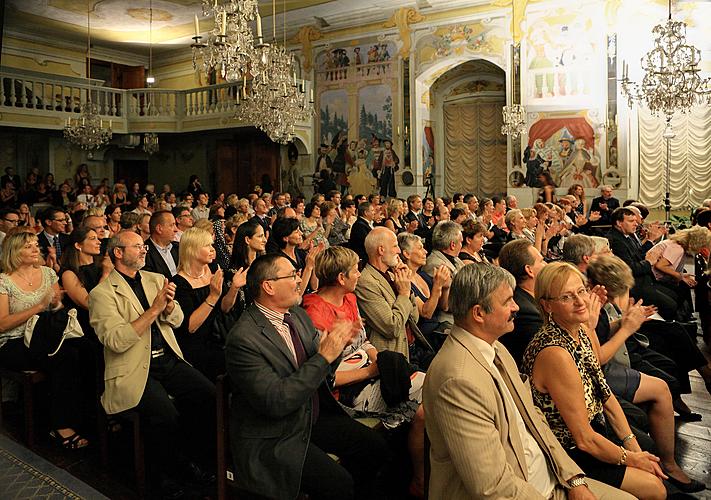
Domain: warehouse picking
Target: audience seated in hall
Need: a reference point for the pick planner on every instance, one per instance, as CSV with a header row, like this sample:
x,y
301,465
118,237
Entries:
x,y
392,304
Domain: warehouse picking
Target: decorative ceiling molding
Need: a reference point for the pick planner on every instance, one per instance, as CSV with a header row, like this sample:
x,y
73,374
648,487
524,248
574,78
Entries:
x,y
402,19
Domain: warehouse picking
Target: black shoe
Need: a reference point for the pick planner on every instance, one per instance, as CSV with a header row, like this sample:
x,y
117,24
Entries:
x,y
170,489
688,416
195,475
693,486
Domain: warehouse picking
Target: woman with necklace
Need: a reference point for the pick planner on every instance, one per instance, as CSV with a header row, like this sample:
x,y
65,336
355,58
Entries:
x,y
27,289
203,295
570,389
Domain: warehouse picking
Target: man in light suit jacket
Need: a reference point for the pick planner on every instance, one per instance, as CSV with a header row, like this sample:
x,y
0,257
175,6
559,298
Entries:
x,y
384,294
284,419
488,440
446,245
134,314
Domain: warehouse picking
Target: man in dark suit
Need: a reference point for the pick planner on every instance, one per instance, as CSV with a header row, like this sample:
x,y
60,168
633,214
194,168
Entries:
x,y
53,239
163,252
260,215
414,212
605,204
361,227
624,225
284,419
524,262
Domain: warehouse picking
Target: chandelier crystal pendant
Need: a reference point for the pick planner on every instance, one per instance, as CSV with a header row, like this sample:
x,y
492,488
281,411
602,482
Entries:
x,y
513,115
671,80
87,131
150,143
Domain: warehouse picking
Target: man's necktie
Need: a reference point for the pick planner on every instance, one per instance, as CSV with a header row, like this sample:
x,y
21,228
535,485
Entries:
x,y
521,408
57,247
300,359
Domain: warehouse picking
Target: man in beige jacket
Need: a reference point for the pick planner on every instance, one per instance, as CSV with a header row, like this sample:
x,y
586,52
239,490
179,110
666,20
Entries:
x,y
384,294
133,314
488,440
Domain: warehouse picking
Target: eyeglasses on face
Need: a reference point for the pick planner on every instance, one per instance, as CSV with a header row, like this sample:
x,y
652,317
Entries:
x,y
293,276
136,246
569,298
12,221
60,220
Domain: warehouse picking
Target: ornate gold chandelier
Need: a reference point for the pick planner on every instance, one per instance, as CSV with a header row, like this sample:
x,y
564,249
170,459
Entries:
x,y
87,131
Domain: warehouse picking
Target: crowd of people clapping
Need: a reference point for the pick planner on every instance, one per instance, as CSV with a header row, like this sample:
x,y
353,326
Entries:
x,y
344,306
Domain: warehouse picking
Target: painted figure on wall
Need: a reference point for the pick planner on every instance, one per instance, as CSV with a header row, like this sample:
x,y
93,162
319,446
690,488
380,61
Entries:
x,y
564,146
385,167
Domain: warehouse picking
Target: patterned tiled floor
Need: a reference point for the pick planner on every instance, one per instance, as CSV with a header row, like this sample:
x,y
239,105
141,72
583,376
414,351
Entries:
x,y
24,475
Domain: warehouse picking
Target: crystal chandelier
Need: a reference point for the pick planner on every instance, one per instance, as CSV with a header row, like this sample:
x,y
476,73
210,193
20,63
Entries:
x,y
276,100
87,131
229,46
514,115
671,79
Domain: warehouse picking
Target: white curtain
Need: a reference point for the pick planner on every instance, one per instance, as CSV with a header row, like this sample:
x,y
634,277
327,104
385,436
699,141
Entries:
x,y
474,149
689,159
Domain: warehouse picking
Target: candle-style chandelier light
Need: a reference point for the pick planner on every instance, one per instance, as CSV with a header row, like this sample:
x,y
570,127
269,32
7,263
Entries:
x,y
87,131
514,115
272,98
150,139
671,80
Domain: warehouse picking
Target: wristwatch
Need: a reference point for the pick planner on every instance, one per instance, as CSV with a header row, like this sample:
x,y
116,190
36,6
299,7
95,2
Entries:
x,y
577,481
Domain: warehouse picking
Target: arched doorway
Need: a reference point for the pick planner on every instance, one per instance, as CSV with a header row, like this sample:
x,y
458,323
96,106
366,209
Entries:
x,y
468,100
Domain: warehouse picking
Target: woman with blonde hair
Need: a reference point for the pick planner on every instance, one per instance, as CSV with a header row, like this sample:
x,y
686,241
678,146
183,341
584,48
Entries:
x,y
204,295
619,320
569,387
394,214
667,260
120,196
28,289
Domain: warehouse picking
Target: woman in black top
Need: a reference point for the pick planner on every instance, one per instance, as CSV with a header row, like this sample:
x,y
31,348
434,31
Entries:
x,y
210,305
288,237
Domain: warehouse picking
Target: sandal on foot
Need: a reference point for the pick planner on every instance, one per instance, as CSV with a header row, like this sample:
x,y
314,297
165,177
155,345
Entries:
x,y
72,442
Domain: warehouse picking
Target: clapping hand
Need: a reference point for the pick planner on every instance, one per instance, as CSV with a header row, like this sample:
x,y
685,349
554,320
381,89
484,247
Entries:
x,y
334,341
442,277
403,280
216,285
239,279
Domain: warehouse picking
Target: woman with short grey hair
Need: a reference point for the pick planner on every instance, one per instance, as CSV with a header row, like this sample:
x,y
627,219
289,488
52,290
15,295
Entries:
x,y
431,293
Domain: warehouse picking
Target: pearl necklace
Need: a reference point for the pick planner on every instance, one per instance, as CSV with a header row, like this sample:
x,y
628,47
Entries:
x,y
194,277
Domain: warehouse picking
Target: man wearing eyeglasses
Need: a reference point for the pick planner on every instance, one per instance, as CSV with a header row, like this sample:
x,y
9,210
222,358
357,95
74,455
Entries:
x,y
284,418
134,313
183,220
9,218
53,239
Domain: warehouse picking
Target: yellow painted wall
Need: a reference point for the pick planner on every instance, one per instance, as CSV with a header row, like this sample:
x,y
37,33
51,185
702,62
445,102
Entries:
x,y
43,58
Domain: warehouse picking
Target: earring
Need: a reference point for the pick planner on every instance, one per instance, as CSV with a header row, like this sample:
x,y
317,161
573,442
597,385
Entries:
x,y
550,317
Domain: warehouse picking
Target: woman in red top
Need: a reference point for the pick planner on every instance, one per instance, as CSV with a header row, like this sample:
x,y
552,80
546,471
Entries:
x,y
357,383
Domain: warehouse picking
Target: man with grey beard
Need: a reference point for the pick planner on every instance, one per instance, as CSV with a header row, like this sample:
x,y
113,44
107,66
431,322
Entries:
x,y
134,313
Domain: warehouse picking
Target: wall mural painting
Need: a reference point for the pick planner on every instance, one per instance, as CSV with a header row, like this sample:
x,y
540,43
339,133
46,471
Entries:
x,y
367,160
366,61
459,40
559,53
562,150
